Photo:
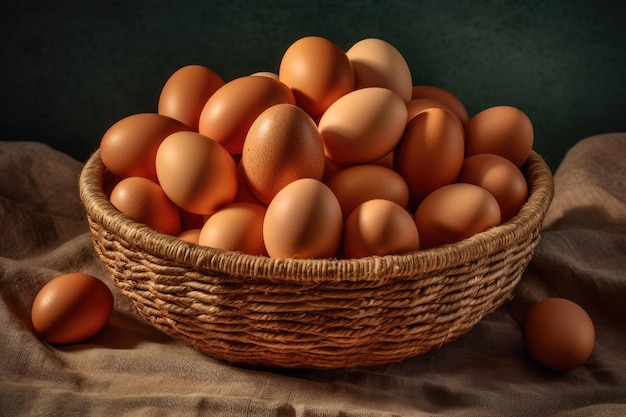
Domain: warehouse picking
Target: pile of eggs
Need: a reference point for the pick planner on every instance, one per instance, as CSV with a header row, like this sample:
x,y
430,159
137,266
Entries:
x,y
336,155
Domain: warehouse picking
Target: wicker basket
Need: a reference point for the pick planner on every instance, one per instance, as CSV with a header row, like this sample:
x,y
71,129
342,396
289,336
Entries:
x,y
324,313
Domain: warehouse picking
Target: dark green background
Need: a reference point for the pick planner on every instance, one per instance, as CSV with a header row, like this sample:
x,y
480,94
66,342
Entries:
x,y
72,68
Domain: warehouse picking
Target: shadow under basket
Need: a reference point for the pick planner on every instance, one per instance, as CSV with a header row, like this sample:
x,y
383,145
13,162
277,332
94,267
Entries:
x,y
317,313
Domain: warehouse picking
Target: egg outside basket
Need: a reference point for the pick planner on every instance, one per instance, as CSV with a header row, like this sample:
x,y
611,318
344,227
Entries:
x,y
323,313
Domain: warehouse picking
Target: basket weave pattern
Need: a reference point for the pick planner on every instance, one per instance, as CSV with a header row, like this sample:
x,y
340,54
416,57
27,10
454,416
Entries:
x,y
318,313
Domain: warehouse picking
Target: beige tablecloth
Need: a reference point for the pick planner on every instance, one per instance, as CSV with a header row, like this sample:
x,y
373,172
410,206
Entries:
x,y
131,369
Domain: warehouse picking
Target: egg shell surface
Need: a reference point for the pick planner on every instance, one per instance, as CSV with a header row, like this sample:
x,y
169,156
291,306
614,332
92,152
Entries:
x,y
229,112
501,178
235,227
377,63
363,126
559,333
304,221
144,201
430,154
128,148
446,98
318,72
455,212
379,227
71,308
282,145
502,130
358,183
196,172
186,92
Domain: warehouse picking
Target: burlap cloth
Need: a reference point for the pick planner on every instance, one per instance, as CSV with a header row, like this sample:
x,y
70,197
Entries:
x,y
131,369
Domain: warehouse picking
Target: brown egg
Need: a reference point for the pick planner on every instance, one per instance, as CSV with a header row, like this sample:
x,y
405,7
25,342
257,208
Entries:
x,y
418,105
500,130
377,63
144,201
501,178
71,308
444,97
379,227
455,212
190,235
235,227
282,145
356,184
196,173
430,154
559,334
303,220
128,148
317,71
363,126
185,93
229,113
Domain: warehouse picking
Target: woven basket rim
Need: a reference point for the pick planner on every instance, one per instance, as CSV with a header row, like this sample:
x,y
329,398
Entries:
x,y
145,239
